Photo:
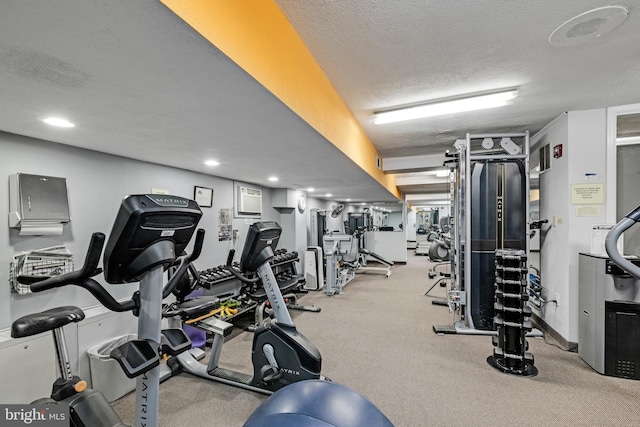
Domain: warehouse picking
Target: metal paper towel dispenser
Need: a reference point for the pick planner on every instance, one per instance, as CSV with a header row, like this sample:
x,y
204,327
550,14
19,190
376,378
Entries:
x,y
38,205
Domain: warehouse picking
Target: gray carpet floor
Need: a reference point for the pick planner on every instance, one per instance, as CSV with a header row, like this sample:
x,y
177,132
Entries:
x,y
377,339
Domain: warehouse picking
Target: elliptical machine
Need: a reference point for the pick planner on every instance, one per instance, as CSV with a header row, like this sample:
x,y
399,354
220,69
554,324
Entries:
x,y
280,354
148,232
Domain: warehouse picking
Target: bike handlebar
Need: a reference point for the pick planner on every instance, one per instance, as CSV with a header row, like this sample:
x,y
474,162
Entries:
x,y
88,270
185,261
237,274
634,214
84,276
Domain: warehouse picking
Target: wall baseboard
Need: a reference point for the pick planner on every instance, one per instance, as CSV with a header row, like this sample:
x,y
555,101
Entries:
x,y
562,342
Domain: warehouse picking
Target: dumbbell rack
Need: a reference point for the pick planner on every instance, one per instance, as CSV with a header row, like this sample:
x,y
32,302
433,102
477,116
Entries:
x,y
512,314
220,281
283,265
215,275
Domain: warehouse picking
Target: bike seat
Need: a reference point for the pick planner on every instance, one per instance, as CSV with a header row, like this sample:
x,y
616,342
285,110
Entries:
x,y
36,323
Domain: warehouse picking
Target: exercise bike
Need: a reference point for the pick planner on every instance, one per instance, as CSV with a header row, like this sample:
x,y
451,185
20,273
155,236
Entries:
x,y
280,354
148,232
87,408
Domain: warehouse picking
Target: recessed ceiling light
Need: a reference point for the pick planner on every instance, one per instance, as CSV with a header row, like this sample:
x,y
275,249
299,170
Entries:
x,y
59,122
311,189
212,163
348,200
273,178
328,195
588,26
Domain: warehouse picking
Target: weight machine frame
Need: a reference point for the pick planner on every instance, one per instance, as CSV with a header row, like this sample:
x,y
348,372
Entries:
x,y
459,298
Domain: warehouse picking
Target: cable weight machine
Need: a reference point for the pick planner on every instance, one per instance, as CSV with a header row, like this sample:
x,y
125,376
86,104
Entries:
x,y
491,205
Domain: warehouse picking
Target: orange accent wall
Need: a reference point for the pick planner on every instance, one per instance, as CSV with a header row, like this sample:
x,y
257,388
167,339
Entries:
x,y
257,36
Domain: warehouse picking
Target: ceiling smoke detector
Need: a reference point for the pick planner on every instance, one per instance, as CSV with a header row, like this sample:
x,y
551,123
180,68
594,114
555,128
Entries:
x,y
588,26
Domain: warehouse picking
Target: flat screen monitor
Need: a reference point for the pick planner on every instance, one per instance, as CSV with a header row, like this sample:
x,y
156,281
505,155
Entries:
x,y
260,235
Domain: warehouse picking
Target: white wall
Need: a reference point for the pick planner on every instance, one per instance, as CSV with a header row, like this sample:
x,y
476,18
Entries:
x,y
295,224
587,142
554,251
411,225
583,136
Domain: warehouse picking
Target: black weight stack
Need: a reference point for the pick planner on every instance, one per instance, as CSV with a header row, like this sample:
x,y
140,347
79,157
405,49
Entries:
x,y
512,314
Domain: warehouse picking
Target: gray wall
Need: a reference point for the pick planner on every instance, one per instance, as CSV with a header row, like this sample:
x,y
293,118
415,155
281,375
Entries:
x,y
97,183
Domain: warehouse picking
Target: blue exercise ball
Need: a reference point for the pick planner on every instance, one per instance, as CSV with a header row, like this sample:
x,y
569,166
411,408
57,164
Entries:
x,y
317,403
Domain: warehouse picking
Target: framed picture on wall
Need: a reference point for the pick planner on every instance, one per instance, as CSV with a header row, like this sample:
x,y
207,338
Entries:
x,y
203,196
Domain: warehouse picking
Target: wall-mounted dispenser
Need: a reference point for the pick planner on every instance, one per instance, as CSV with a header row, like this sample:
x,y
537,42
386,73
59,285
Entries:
x,y
38,205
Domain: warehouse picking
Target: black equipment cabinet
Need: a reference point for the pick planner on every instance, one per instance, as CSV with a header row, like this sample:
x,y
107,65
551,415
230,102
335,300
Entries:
x,y
622,339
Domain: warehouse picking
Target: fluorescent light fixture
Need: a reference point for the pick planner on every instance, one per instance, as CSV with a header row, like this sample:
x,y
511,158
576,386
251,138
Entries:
x,y
328,195
348,200
629,140
447,106
311,189
273,178
442,173
212,163
59,122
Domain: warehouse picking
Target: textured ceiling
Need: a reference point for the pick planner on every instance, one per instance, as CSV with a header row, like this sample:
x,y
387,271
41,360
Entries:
x,y
140,83
380,54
